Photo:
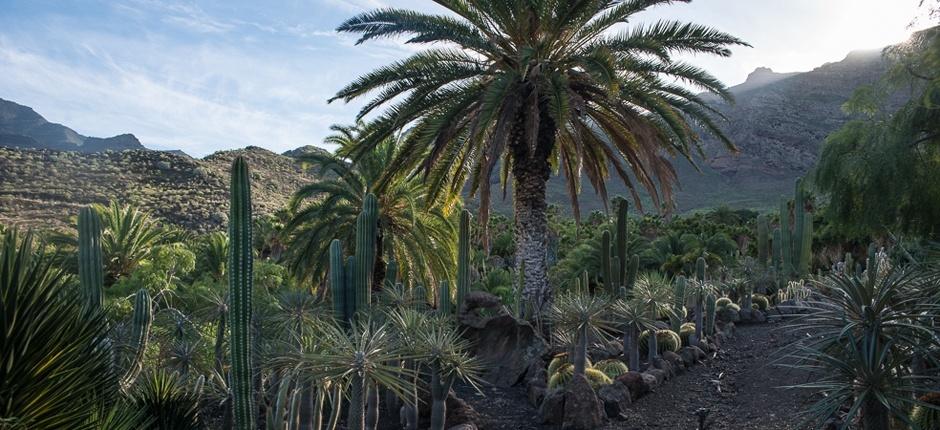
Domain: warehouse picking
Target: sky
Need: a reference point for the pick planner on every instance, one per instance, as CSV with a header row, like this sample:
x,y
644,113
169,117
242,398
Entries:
x,y
203,76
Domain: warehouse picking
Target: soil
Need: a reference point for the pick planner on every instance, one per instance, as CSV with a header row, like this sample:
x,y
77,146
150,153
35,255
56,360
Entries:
x,y
739,385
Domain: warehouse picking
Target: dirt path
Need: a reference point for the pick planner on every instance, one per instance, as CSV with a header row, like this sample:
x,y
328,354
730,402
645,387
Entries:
x,y
749,397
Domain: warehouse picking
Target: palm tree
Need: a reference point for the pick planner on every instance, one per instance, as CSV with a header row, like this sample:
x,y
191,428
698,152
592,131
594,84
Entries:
x,y
415,231
128,237
536,86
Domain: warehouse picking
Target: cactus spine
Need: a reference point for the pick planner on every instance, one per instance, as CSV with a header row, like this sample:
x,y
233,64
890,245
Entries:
x,y
710,309
444,303
605,261
366,230
240,285
140,334
90,266
463,260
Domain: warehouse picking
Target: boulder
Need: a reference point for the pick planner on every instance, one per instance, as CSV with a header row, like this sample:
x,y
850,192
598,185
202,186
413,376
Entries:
x,y
552,410
728,315
635,383
583,410
664,366
508,349
699,353
678,364
688,355
659,376
616,398
476,301
536,389
460,412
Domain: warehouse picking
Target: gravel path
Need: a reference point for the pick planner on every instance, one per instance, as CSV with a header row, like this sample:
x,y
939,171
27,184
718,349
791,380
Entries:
x,y
738,386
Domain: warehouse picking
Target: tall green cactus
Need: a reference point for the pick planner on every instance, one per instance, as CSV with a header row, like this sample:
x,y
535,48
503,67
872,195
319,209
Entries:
x,y
632,271
763,241
786,251
700,267
463,260
366,231
391,273
444,301
419,297
615,276
240,286
140,336
622,241
680,299
90,263
338,287
349,282
699,298
710,309
605,261
802,242
849,263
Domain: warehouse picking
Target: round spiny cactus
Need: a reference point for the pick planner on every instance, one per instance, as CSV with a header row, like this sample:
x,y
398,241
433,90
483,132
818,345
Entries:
x,y
733,307
761,301
557,362
561,377
666,340
612,368
924,417
686,331
723,302
596,378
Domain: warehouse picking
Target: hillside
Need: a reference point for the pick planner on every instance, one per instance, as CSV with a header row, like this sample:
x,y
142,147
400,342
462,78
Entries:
x,y
22,127
43,188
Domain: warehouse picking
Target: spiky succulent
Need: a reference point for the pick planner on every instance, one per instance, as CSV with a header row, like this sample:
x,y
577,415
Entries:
x,y
666,340
612,367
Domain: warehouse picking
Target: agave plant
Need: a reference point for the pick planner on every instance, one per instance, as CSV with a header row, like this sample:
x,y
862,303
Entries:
x,y
57,371
869,330
446,353
168,400
581,317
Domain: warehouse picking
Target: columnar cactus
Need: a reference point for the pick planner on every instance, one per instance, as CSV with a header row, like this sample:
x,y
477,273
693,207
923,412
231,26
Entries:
x,y
338,286
622,240
849,263
391,273
366,231
140,335
240,286
678,304
615,276
699,298
763,241
710,308
606,270
419,297
632,271
90,265
349,282
463,260
444,302
786,251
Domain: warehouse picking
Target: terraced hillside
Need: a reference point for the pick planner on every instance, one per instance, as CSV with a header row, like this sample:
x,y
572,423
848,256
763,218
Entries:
x,y
44,188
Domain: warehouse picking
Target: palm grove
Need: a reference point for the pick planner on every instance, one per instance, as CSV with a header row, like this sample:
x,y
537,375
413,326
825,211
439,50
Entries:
x,y
350,305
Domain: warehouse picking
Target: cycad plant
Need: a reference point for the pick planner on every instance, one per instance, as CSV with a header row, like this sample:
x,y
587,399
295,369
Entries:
x,y
581,317
57,370
128,236
869,330
532,86
415,230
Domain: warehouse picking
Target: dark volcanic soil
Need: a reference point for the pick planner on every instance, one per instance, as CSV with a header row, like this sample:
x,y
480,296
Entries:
x,y
739,386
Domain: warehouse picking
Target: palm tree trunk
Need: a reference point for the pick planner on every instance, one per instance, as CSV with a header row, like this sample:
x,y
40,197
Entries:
x,y
356,418
372,407
531,171
874,415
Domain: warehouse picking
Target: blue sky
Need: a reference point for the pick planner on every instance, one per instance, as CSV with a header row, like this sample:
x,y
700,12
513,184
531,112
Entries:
x,y
210,75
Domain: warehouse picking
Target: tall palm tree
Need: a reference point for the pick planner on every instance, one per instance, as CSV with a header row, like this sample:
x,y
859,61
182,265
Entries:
x,y
535,86
413,230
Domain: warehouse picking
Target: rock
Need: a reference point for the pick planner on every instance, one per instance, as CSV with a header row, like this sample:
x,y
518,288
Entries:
x,y
746,315
476,301
635,383
677,362
616,398
536,390
460,412
758,317
728,315
658,377
699,353
664,366
552,410
507,348
689,357
583,410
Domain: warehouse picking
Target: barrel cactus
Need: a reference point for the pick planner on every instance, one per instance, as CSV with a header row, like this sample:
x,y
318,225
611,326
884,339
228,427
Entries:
x,y
723,302
685,332
924,417
561,376
761,301
666,340
596,378
612,367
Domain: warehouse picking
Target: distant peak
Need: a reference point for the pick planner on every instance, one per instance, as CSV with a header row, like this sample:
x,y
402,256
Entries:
x,y
760,73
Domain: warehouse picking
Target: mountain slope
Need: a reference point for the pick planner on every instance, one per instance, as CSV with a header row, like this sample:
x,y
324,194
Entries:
x,y
22,127
44,188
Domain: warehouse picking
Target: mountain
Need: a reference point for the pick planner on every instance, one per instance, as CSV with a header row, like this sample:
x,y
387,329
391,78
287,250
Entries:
x,y
44,188
22,127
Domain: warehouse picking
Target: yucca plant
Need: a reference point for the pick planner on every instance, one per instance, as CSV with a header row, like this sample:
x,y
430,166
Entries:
x,y
654,295
580,318
632,319
57,370
446,353
168,400
868,333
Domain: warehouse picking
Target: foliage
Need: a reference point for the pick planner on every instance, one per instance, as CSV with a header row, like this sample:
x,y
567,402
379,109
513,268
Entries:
x,y
46,334
167,400
879,170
